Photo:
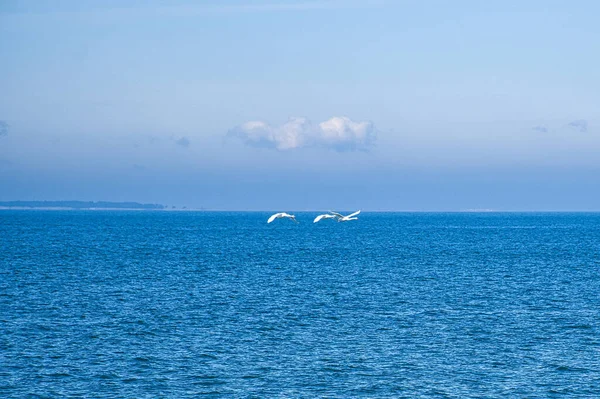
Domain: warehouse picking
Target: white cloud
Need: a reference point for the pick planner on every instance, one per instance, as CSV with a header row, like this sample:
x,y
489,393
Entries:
x,y
3,128
338,133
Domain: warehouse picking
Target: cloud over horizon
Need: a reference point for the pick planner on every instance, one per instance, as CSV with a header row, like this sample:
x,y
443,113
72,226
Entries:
x,y
339,133
541,129
581,125
3,128
183,142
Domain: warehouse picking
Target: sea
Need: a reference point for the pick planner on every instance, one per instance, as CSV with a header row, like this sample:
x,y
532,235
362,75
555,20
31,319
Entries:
x,y
154,304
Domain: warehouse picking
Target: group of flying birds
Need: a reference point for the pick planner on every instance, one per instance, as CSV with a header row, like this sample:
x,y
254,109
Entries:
x,y
330,215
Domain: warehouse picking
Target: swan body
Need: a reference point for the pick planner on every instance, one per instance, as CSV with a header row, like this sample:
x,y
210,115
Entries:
x,y
325,216
282,215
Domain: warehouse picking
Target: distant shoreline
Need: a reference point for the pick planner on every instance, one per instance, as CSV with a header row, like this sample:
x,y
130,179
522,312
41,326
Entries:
x,y
77,205
56,208
84,205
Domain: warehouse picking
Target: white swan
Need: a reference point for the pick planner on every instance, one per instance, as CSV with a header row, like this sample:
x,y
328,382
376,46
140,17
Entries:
x,y
342,218
325,216
282,215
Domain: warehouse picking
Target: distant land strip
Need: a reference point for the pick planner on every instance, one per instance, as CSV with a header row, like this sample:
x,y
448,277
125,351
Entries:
x,y
79,205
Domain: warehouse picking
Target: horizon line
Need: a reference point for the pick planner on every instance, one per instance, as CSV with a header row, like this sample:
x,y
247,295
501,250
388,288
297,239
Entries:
x,y
186,209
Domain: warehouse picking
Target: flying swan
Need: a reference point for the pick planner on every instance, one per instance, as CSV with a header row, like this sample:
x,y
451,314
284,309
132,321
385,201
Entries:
x,y
282,215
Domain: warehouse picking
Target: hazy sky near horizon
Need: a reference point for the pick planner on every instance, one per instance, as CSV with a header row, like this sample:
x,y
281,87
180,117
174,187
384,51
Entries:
x,y
294,105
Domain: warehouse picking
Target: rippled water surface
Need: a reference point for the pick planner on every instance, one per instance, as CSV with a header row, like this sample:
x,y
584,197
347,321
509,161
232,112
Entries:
x,y
177,304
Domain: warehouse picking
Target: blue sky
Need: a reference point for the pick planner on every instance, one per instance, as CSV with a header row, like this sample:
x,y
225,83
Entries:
x,y
381,105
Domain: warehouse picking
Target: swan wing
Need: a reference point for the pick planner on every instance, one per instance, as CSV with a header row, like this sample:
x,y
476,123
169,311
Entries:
x,y
353,214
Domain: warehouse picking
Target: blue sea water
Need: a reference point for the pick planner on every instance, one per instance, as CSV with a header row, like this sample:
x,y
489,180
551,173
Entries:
x,y
400,305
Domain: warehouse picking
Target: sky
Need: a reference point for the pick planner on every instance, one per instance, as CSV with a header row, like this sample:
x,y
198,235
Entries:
x,y
302,105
